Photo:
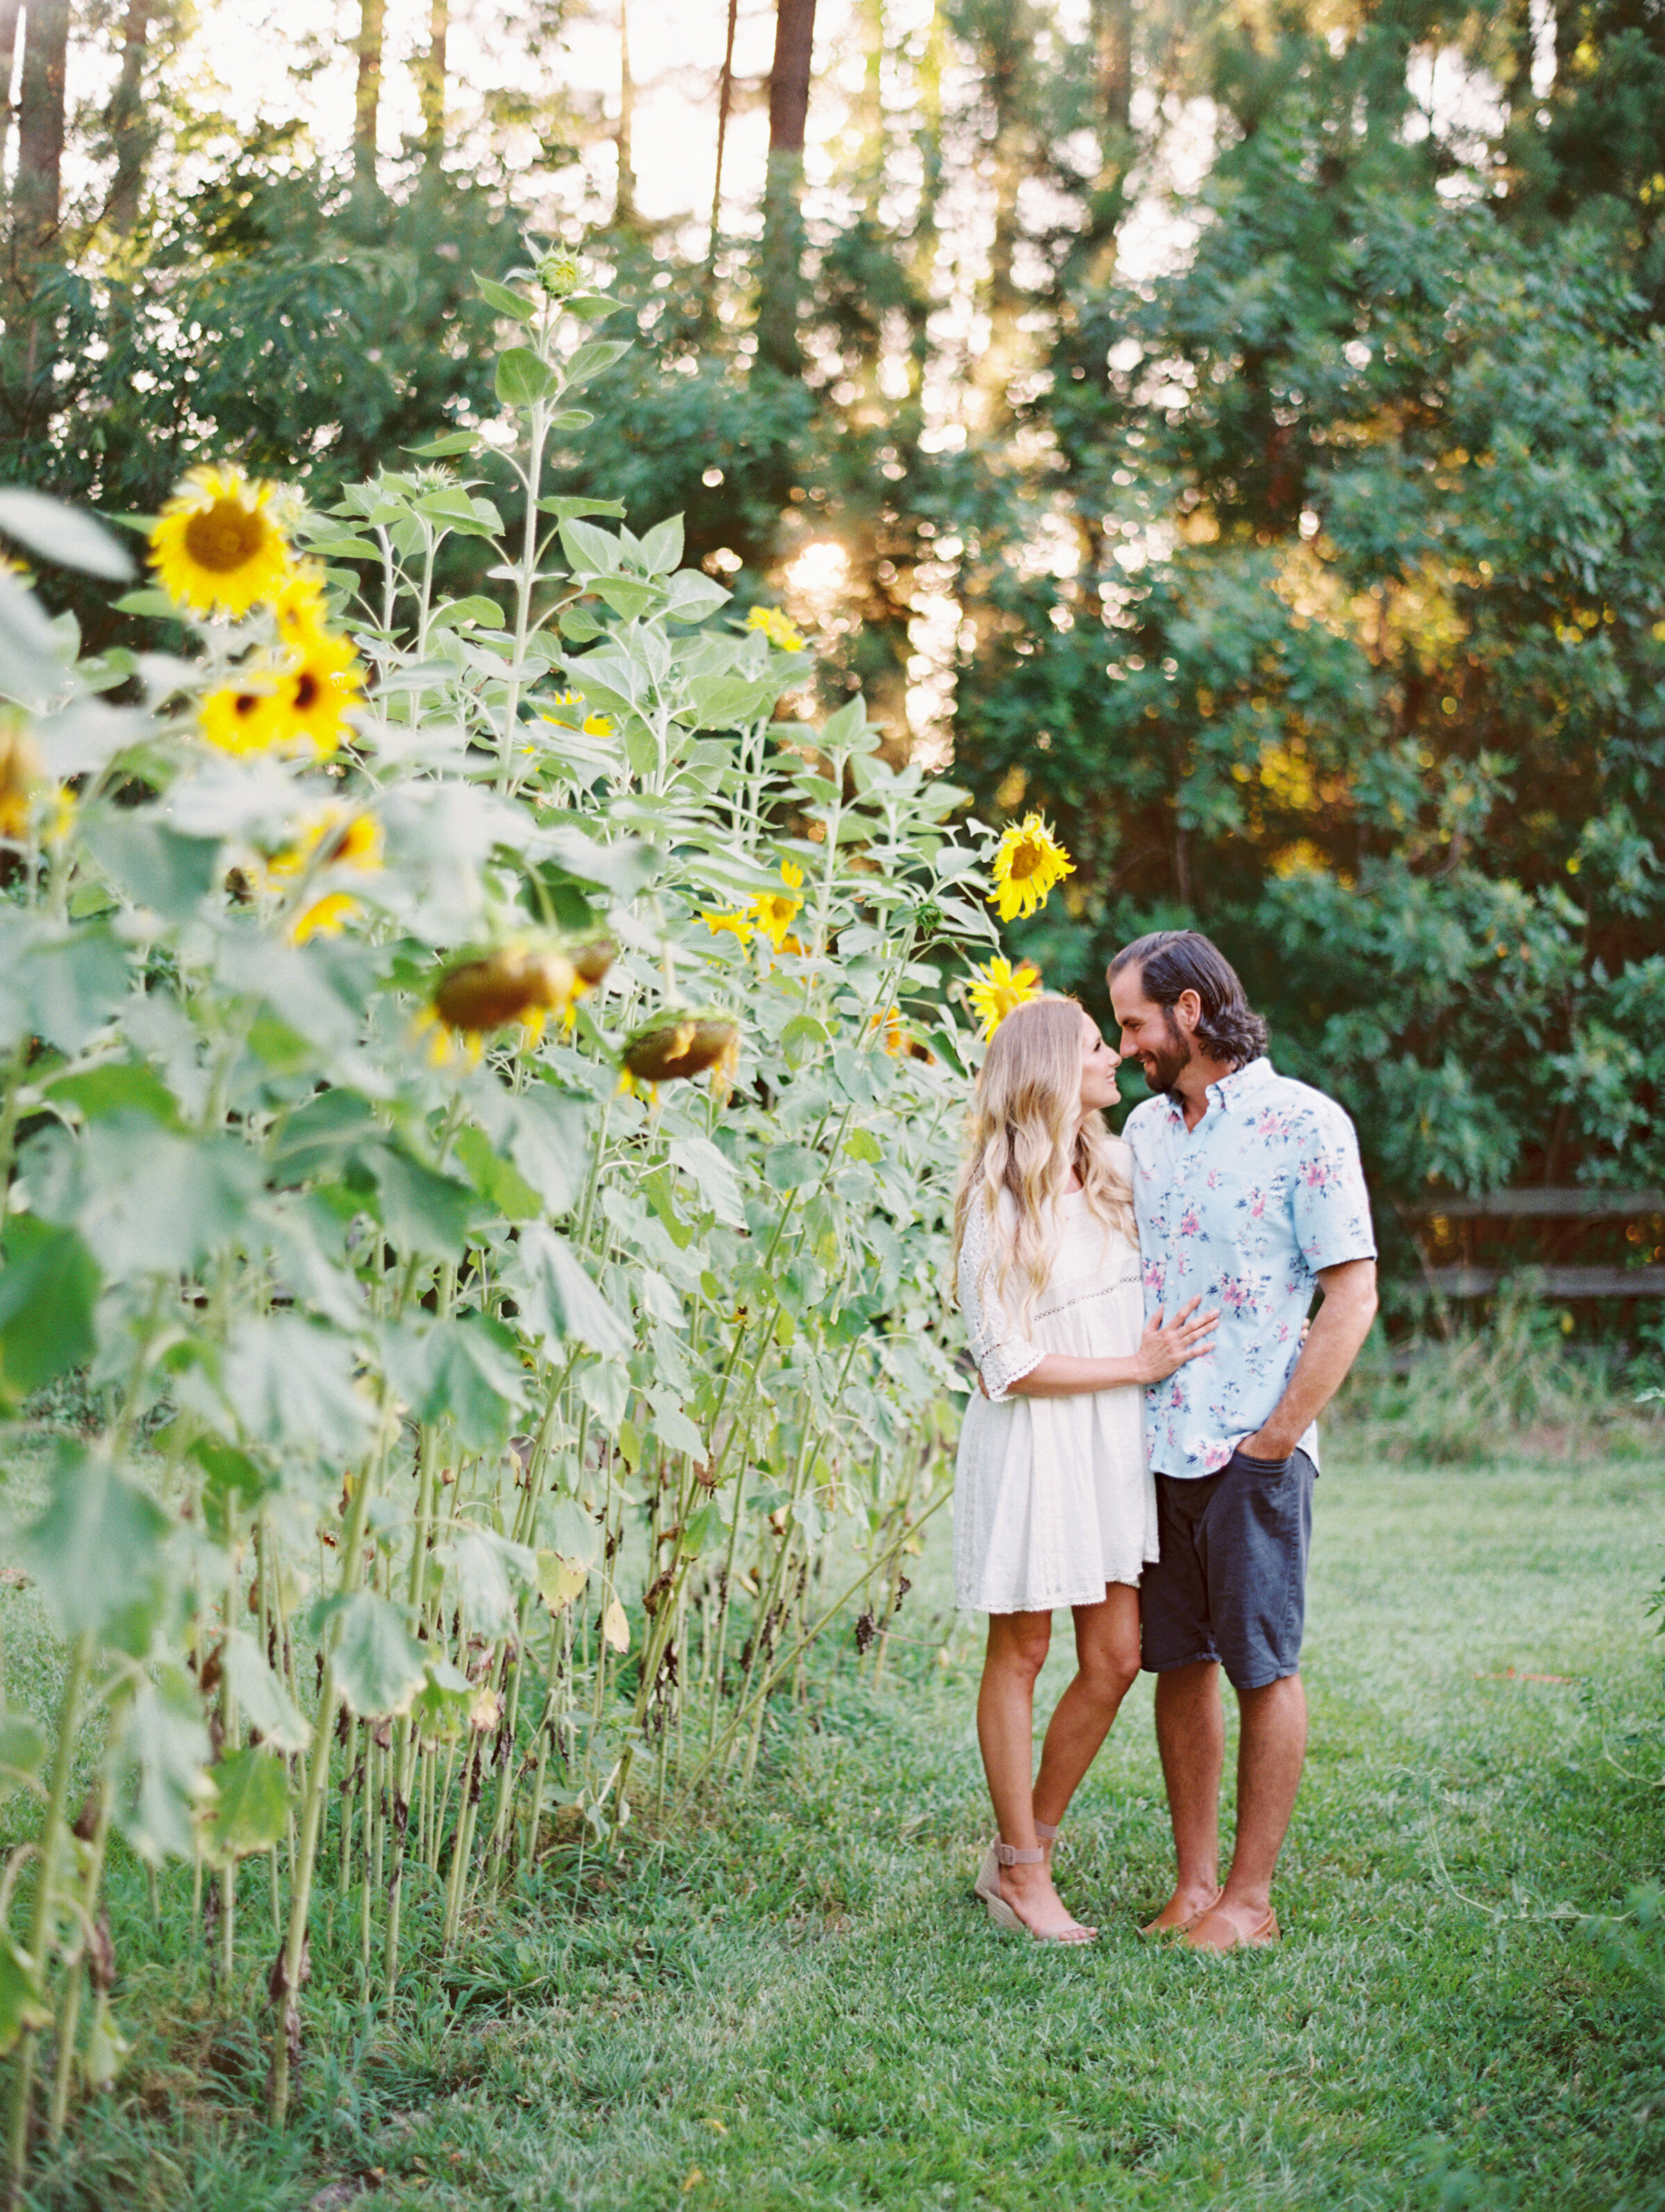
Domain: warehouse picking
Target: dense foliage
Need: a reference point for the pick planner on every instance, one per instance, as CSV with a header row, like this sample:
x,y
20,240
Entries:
x,y
483,1437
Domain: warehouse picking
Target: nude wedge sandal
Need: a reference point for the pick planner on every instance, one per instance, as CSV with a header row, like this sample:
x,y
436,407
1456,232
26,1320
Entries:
x,y
987,1888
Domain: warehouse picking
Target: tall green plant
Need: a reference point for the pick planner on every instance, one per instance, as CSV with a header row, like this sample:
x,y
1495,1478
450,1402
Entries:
x,y
486,1435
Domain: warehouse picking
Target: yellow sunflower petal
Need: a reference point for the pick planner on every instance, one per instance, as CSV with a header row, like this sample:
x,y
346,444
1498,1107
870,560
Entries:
x,y
217,547
1028,862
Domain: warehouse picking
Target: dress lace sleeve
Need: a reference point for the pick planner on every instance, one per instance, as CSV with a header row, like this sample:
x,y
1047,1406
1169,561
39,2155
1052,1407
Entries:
x,y
1002,1353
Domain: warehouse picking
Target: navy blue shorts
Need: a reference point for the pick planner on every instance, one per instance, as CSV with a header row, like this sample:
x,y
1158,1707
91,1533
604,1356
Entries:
x,y
1231,1585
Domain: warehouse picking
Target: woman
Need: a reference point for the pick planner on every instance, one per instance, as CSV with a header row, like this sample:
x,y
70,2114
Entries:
x,y
1053,1503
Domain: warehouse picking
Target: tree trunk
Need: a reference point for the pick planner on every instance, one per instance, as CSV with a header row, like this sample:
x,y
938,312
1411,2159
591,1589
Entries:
x,y
1112,55
9,13
778,346
36,209
624,198
725,102
433,73
371,22
128,132
1011,35
871,109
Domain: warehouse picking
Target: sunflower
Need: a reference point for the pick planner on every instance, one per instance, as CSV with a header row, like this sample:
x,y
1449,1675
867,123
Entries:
x,y
335,836
676,1045
738,924
244,717
299,610
1028,861
774,910
892,1033
778,628
217,547
999,989
521,981
315,694
19,776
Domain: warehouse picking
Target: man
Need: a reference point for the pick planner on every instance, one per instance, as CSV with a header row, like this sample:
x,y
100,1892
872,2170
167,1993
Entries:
x,y
1249,1190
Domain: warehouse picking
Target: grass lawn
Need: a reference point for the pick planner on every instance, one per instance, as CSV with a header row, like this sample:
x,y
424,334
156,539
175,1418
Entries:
x,y
803,2009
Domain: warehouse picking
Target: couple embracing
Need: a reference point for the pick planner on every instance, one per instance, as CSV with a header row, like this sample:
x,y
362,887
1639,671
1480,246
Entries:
x,y
1142,1446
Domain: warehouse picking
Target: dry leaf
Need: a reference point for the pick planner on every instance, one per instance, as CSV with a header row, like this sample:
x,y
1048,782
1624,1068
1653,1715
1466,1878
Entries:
x,y
559,1582
615,1626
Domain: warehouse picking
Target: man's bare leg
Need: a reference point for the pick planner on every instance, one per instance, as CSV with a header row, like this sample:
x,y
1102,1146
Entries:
x,y
1271,1750
1191,1737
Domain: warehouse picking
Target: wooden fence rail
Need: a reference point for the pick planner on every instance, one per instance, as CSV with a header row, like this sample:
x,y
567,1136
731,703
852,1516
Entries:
x,y
1555,1278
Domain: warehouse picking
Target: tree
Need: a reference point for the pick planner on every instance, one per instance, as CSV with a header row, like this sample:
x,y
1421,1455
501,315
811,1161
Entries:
x,y
37,191
781,274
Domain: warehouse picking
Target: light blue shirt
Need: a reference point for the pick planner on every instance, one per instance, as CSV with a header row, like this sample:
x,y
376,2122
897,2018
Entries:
x,y
1245,1209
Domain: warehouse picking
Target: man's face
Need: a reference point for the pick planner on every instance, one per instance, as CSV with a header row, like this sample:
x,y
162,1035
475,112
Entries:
x,y
1150,1033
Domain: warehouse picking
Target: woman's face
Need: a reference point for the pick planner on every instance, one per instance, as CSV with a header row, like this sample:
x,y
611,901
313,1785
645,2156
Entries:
x,y
1098,1067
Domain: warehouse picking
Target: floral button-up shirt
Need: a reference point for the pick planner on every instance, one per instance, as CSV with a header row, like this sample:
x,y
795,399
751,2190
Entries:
x,y
1246,1209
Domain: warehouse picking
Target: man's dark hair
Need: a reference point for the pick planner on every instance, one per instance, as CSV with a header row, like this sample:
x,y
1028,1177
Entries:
x,y
1170,961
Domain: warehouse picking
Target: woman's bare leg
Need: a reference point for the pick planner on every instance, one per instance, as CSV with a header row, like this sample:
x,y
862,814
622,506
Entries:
x,y
1106,1668
1018,1644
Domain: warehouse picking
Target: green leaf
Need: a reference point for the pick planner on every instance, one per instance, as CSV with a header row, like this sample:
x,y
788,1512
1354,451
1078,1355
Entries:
x,y
23,2001
438,449
563,505
715,1175
592,358
506,303
165,1754
557,1300
48,1292
265,1704
422,1212
605,1387
115,1086
97,1552
59,533
789,1167
461,614
522,377
862,1144
467,1370
572,1532
318,1137
67,986
623,867
290,1384
379,1664
153,865
548,1139
661,548
498,1182
149,1202
489,1570
251,1808
591,552
559,1581
628,595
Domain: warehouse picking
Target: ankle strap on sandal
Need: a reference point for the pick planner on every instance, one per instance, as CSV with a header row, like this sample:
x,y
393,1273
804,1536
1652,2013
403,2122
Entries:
x,y
1047,1835
1009,1855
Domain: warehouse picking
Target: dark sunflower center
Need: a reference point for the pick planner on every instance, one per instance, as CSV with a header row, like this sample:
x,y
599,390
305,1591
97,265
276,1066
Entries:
x,y
225,537
306,689
1025,859
245,702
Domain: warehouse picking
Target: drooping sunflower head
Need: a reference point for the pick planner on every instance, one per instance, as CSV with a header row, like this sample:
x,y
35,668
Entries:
x,y
1028,862
677,1044
774,910
778,626
516,982
998,989
217,548
591,952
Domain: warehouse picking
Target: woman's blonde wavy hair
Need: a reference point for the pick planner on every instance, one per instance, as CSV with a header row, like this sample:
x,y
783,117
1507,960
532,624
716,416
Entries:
x,y
1019,1137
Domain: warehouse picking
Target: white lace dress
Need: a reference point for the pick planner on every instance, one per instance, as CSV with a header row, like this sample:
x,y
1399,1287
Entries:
x,y
1053,1497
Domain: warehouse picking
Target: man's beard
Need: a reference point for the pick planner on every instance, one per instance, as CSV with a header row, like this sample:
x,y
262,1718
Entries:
x,y
1165,1066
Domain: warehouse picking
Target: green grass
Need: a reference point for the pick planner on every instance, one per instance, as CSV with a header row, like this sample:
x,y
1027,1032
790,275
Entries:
x,y
801,2007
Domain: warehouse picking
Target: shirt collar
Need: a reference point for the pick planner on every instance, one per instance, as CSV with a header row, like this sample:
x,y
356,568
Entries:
x,y
1237,1089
